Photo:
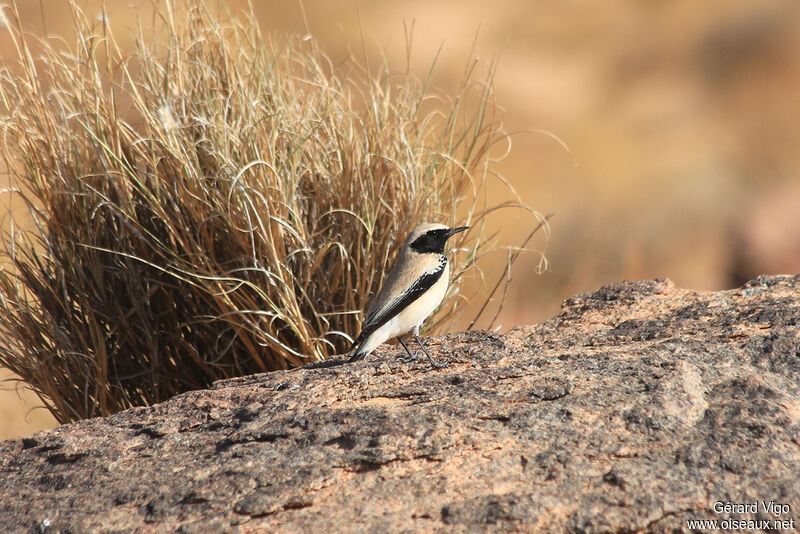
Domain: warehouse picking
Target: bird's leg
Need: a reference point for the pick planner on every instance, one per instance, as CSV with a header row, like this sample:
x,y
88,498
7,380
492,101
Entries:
x,y
411,356
433,362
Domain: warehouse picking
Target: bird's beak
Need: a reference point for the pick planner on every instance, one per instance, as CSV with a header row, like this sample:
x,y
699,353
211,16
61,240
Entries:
x,y
453,231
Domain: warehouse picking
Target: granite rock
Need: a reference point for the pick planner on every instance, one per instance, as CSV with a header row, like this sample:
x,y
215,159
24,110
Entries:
x,y
637,408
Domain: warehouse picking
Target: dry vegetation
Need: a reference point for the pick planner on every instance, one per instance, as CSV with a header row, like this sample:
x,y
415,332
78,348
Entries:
x,y
215,204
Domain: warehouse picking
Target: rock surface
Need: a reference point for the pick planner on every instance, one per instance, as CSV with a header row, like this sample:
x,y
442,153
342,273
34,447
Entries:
x,y
635,409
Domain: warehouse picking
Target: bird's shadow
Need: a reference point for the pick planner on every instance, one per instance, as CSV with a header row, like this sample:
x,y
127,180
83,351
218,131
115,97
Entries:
x,y
324,364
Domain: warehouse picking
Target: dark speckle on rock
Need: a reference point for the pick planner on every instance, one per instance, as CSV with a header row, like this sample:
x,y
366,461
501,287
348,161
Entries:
x,y
345,441
258,505
548,389
613,477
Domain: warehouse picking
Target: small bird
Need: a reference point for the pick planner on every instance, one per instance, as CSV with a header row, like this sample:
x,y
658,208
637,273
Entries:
x,y
414,288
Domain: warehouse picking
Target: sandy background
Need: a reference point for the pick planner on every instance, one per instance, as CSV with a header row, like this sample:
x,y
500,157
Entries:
x,y
680,120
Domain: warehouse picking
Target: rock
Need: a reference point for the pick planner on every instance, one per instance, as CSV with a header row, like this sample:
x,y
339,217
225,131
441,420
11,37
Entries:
x,y
637,408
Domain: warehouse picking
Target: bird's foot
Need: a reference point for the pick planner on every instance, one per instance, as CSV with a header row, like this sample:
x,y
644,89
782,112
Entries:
x,y
439,365
411,358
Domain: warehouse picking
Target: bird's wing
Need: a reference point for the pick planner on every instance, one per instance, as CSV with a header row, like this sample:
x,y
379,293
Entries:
x,y
379,317
393,298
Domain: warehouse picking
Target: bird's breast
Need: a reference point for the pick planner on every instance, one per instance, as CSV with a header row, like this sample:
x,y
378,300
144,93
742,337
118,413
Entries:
x,y
419,310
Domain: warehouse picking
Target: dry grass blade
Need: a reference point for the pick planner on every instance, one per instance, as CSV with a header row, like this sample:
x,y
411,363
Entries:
x,y
215,203
506,275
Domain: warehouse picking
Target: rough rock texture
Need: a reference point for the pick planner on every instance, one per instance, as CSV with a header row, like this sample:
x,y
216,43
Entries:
x,y
637,408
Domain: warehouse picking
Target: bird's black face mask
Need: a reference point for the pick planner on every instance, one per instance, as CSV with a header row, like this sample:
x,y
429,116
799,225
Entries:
x,y
433,241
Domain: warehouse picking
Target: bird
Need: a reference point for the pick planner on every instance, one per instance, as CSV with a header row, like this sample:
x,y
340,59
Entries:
x,y
414,287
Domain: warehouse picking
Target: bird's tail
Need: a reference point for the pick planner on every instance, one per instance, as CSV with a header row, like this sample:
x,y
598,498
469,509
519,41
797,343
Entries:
x,y
355,352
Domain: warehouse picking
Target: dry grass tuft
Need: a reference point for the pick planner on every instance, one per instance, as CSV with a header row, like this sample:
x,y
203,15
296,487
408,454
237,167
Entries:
x,y
215,204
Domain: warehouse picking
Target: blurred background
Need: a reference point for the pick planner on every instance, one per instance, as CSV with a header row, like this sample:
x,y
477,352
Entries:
x,y
679,121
